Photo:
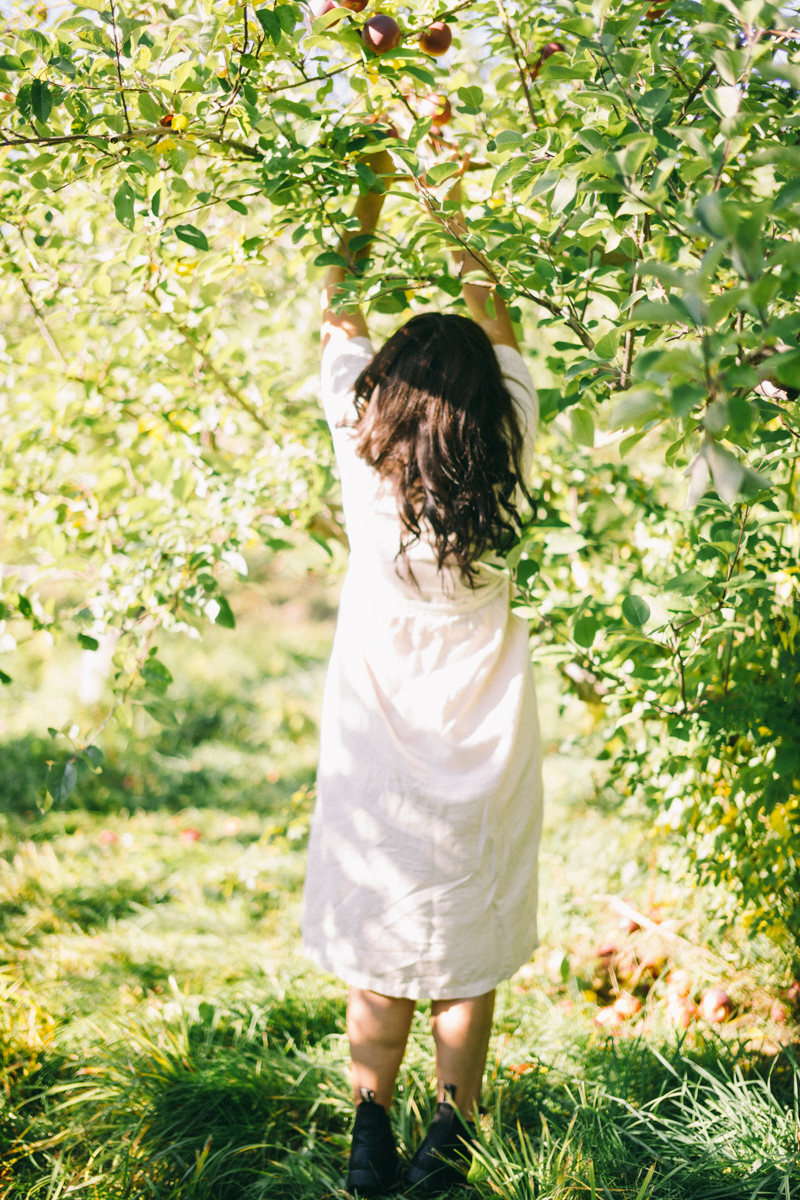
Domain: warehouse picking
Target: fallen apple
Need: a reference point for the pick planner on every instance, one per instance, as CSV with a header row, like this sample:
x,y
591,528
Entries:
x,y
436,39
716,1005
381,34
627,1006
681,1010
779,1013
437,107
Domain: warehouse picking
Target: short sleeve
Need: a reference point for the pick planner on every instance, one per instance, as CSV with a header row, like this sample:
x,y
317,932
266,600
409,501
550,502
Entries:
x,y
343,360
517,379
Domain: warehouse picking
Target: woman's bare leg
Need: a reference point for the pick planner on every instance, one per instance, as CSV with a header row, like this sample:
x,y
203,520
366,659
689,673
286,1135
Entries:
x,y
378,1028
461,1030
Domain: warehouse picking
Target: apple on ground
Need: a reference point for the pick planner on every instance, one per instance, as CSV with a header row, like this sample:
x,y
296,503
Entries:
x,y
436,39
627,1006
716,1005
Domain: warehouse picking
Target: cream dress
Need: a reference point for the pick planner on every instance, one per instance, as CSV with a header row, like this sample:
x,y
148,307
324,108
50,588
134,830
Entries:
x,y
422,864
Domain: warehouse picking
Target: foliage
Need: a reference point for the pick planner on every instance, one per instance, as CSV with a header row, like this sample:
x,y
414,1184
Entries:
x,y
170,176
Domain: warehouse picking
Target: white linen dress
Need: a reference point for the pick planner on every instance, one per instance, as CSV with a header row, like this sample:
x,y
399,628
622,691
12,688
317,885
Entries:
x,y
422,863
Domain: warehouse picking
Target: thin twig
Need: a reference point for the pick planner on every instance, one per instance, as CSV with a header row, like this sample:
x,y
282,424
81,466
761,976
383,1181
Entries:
x,y
520,68
37,312
119,68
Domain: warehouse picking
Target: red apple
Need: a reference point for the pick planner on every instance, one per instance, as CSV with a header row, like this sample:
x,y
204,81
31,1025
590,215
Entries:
x,y
188,836
793,994
383,122
437,107
381,34
354,5
681,1010
779,1013
318,8
716,1005
627,1006
545,52
656,12
436,39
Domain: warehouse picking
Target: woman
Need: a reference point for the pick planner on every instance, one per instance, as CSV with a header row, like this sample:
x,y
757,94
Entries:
x,y
421,877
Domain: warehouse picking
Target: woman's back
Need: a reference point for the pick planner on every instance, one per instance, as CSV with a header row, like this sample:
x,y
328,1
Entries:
x,y
369,500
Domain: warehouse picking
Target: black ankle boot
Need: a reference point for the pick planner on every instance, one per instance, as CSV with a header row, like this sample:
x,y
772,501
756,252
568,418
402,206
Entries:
x,y
373,1154
433,1168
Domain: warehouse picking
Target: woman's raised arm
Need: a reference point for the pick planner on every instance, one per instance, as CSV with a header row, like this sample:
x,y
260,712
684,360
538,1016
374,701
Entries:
x,y
368,210
477,291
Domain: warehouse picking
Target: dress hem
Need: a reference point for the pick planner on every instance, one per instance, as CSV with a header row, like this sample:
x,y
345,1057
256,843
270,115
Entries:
x,y
416,989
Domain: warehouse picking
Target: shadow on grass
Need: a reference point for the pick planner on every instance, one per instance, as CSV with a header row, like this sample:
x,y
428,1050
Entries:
x,y
144,778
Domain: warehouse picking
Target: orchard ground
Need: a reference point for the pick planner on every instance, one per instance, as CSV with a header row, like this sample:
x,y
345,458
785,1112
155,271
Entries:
x,y
161,1035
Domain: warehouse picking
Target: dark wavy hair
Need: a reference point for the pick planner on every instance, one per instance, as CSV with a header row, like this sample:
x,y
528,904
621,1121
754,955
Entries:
x,y
435,417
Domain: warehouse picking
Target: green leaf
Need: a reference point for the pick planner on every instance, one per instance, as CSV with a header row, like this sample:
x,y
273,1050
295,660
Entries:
x,y
237,206
41,100
582,426
287,15
94,754
66,784
635,610
5,679
148,109
157,677
39,43
270,23
88,643
442,171
142,159
509,170
787,368
123,205
585,631
160,711
225,617
419,73
688,583
192,236
471,97
10,62
329,258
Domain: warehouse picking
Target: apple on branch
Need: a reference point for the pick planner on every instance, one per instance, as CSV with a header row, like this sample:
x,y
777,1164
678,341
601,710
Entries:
x,y
437,107
436,39
381,34
546,51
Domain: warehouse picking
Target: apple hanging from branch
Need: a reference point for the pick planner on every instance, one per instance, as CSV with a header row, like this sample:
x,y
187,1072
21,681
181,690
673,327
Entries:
x,y
381,34
437,107
546,51
436,39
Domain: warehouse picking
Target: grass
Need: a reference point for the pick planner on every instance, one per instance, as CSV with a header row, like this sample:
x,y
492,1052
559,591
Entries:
x,y
161,1036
